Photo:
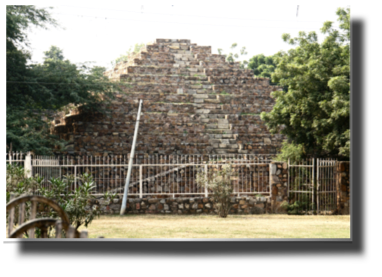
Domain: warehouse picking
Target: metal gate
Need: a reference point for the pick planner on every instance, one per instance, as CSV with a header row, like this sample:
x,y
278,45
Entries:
x,y
306,197
326,186
301,187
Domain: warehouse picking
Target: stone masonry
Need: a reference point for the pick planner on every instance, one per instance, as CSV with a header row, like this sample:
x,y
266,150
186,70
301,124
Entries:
x,y
343,187
193,205
194,102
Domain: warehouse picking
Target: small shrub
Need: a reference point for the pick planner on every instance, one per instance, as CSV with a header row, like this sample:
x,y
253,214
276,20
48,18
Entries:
x,y
109,196
220,182
77,203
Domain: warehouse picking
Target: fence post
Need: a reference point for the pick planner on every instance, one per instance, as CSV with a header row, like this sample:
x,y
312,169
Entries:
x,y
75,177
140,182
28,165
270,181
205,188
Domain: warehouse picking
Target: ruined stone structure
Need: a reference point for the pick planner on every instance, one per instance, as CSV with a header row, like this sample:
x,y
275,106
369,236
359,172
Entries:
x,y
194,102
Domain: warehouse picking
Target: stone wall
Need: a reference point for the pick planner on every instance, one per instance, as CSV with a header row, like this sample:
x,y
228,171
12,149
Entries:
x,y
194,102
279,185
185,205
343,187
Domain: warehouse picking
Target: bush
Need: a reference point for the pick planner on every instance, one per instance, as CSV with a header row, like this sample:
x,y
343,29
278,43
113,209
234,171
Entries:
x,y
77,203
220,182
297,207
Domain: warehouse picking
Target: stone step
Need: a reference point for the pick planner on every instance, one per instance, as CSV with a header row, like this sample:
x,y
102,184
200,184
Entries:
x,y
221,136
224,141
214,120
225,146
199,90
162,71
218,131
184,57
219,126
199,86
215,116
207,101
185,74
181,51
192,79
185,63
169,40
188,65
226,151
198,81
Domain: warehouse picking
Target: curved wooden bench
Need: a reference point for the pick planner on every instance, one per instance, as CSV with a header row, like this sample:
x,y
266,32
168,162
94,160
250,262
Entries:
x,y
42,223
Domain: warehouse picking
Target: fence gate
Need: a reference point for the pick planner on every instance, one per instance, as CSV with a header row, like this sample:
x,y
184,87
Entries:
x,y
46,167
301,186
307,196
326,186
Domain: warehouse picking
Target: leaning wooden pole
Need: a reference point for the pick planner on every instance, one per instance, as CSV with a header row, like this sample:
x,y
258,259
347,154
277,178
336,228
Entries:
x,y
126,191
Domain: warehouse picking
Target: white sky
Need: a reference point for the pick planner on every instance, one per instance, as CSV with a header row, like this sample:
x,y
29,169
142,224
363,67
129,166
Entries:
x,y
101,32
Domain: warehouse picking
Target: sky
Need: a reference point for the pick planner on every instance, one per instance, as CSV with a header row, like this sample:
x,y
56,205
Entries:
x,y
101,32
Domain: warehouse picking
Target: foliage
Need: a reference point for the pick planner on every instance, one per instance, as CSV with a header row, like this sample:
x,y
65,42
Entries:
x,y
17,184
35,92
131,52
54,53
290,151
315,111
76,203
297,207
262,66
220,182
109,196
231,57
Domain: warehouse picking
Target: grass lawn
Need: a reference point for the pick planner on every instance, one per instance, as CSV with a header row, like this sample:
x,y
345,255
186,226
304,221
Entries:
x,y
210,226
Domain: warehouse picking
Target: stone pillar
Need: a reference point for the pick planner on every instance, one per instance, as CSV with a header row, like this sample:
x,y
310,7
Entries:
x,y
28,165
343,187
278,181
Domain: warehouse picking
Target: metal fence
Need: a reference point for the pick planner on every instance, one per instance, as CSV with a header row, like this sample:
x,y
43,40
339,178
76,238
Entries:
x,y
173,175
301,184
16,158
312,185
326,186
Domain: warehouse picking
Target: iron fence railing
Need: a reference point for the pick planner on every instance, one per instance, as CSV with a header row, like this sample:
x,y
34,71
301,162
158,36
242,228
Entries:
x,y
153,174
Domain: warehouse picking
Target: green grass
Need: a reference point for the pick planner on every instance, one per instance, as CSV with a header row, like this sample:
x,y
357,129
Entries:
x,y
211,226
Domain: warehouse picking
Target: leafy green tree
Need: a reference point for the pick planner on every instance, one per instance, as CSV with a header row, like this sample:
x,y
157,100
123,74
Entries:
x,y
133,50
79,204
262,66
232,56
54,53
314,113
36,91
221,183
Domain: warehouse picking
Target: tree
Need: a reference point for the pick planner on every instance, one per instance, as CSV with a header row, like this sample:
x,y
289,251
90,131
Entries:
x,y
314,113
36,91
133,50
262,66
79,203
54,53
220,182
231,57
